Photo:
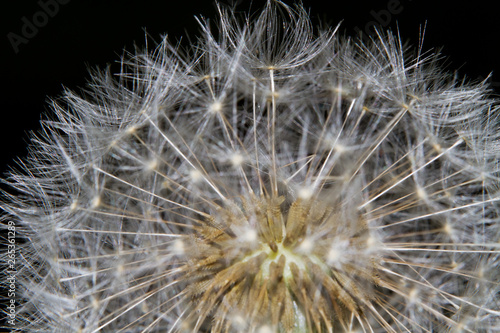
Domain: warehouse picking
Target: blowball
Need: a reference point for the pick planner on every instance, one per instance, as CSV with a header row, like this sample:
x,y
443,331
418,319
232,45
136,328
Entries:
x,y
270,179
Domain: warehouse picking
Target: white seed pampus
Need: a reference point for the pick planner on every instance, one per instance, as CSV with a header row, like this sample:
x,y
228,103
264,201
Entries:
x,y
272,179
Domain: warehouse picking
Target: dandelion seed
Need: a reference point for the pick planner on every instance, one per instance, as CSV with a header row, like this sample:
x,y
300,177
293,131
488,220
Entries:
x,y
215,107
151,165
196,176
277,179
237,160
305,193
94,203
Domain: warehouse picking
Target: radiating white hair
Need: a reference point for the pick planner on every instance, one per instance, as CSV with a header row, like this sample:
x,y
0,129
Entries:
x,y
273,178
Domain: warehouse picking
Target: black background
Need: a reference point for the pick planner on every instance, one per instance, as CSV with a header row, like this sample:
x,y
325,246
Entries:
x,y
89,33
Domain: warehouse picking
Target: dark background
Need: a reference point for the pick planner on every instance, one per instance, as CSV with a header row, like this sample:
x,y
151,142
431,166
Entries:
x,y
88,33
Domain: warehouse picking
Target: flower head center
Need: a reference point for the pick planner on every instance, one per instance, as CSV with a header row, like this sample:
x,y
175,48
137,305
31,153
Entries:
x,y
284,267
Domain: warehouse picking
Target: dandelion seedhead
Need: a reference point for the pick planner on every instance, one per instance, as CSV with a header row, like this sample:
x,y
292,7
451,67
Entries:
x,y
273,178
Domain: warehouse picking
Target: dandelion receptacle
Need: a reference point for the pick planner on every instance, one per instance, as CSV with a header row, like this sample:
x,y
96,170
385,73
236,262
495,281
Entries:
x,y
274,178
